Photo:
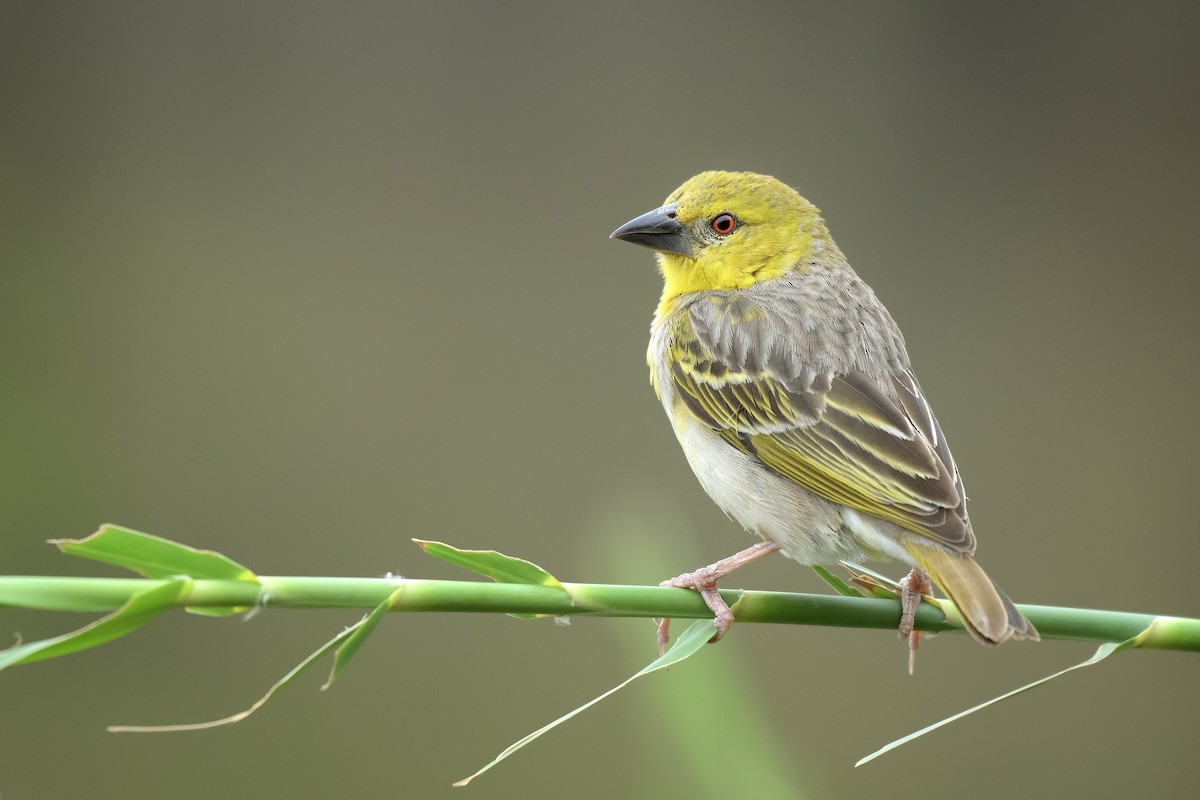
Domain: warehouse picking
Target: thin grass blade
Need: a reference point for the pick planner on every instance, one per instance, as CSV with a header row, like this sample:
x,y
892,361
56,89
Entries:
x,y
694,638
1103,652
295,672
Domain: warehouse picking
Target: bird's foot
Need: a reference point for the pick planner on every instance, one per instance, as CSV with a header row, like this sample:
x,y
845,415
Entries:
x,y
913,588
704,581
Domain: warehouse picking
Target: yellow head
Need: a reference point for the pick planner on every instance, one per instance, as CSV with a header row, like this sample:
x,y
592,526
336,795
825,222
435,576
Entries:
x,y
730,230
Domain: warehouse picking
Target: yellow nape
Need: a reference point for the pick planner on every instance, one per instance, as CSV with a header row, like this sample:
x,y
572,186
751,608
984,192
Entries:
x,y
776,231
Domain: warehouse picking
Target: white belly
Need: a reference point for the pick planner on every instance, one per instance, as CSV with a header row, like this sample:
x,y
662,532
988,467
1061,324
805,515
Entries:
x,y
807,528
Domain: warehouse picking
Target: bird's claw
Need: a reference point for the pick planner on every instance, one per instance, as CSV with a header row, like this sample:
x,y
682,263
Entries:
x,y
913,588
703,581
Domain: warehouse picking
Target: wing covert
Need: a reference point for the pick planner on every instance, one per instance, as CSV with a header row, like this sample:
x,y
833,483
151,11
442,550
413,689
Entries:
x,y
838,434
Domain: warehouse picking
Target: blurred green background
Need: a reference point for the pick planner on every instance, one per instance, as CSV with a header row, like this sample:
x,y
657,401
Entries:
x,y
299,281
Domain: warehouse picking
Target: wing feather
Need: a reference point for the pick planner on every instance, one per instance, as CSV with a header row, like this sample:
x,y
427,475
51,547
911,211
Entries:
x,y
869,443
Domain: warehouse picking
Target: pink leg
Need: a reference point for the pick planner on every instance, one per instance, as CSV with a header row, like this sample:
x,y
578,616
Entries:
x,y
913,587
704,581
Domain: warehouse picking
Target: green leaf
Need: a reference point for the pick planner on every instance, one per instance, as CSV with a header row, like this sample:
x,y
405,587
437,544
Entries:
x,y
494,565
839,586
141,607
489,563
1103,652
155,557
152,556
694,638
295,672
358,636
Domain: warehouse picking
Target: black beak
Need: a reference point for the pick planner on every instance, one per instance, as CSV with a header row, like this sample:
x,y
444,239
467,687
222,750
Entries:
x,y
658,230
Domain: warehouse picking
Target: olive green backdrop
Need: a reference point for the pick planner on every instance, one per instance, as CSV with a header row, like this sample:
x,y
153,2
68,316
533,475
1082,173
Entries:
x,y
298,282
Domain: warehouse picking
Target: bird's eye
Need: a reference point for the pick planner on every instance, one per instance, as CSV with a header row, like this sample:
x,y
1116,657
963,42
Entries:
x,y
724,224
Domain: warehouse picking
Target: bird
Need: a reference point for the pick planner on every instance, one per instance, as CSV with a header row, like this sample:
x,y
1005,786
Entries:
x,y
791,392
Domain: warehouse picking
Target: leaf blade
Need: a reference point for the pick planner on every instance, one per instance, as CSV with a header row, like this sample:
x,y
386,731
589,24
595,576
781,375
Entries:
x,y
694,638
153,556
294,673
1104,651
358,637
491,564
141,607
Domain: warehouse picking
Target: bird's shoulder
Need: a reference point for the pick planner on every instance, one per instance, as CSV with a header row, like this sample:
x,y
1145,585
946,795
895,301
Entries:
x,y
801,329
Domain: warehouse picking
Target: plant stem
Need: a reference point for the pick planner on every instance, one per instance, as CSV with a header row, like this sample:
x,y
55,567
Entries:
x,y
106,594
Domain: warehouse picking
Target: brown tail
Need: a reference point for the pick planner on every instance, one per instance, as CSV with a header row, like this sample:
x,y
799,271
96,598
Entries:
x,y
986,611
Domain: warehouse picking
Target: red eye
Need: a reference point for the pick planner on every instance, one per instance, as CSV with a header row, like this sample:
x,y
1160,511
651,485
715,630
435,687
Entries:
x,y
724,224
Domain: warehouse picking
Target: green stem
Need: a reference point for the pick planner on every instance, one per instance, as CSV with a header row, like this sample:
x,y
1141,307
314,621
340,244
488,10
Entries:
x,y
106,594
